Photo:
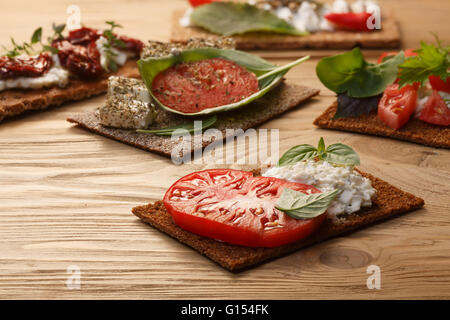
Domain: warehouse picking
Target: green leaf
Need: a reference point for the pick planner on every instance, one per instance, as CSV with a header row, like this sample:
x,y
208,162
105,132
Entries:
x,y
298,153
189,127
298,205
431,60
51,49
58,29
341,154
229,18
268,74
337,154
350,73
37,35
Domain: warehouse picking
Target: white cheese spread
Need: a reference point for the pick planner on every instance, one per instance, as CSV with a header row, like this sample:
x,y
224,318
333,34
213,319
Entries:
x,y
128,104
355,191
55,76
118,56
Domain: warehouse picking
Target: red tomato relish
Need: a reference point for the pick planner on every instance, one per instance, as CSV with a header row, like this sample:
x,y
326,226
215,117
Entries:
x,y
191,87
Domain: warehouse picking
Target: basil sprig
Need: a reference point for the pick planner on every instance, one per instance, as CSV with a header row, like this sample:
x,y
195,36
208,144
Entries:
x,y
229,18
337,154
207,123
298,205
268,74
350,73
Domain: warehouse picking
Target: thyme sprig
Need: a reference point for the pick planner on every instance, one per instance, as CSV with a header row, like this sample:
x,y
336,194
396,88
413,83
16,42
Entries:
x,y
111,42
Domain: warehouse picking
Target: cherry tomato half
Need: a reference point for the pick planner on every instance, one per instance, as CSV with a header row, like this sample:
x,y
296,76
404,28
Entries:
x,y
350,20
436,111
196,3
438,84
397,105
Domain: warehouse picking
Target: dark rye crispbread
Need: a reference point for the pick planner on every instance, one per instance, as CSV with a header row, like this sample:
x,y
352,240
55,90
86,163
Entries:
x,y
414,131
15,101
279,100
390,202
387,37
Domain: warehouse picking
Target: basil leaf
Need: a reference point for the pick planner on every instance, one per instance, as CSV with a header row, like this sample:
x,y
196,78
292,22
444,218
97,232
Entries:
x,y
341,154
353,107
268,74
229,18
298,205
189,127
298,153
37,35
349,72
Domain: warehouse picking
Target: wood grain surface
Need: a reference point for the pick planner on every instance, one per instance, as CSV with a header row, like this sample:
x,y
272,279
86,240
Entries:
x,y
66,194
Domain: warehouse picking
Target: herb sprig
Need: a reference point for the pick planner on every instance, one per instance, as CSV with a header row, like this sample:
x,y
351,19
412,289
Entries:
x,y
337,154
111,42
189,127
35,46
431,60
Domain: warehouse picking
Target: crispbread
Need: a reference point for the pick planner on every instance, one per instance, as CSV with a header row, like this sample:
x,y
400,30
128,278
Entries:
x,y
415,130
282,98
15,102
387,37
390,202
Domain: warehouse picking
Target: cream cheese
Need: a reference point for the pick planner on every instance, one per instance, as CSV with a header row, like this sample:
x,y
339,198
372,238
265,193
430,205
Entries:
x,y
55,76
118,56
355,191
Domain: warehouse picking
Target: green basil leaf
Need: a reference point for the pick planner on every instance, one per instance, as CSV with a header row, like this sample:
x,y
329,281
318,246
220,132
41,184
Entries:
x,y
298,205
207,123
298,153
268,74
37,35
353,107
350,73
229,18
341,154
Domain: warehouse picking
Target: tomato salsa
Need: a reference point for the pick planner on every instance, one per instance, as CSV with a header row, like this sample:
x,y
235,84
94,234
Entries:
x,y
236,207
190,87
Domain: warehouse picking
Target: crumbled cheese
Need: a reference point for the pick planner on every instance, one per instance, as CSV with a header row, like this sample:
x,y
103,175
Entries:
x,y
306,18
128,104
55,76
185,20
355,190
340,6
118,56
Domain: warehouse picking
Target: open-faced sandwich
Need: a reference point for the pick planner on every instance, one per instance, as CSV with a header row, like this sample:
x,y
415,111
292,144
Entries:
x,y
241,218
404,96
203,80
39,74
289,24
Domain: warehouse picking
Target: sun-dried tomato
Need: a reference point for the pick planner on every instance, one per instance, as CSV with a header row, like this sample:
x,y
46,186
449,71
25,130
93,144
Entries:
x,y
132,44
83,36
81,60
25,67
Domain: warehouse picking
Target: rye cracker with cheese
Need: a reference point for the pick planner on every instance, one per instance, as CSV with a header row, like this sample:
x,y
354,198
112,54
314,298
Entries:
x,y
289,24
204,80
40,74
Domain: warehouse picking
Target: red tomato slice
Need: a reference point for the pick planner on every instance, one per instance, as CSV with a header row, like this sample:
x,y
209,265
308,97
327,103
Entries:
x,y
436,111
397,105
408,53
350,20
196,3
440,85
236,207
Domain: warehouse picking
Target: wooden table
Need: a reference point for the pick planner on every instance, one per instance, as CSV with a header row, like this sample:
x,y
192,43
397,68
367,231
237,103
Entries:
x,y
66,194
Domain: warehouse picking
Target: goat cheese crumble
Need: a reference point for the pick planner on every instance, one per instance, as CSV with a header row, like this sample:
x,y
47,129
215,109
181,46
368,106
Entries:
x,y
355,191
119,57
56,75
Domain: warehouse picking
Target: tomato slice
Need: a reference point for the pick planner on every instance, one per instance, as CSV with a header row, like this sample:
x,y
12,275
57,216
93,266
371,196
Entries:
x,y
408,53
236,207
440,85
196,3
436,110
397,105
350,20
